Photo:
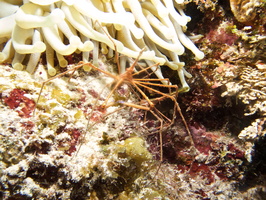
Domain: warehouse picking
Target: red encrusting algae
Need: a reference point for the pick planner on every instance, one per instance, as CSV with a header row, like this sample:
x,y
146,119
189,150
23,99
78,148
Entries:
x,y
17,99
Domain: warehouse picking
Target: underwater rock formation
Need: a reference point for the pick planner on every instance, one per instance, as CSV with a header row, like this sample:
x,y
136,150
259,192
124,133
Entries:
x,y
70,147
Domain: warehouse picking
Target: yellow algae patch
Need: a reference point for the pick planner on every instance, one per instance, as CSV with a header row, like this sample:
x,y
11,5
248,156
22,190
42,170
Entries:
x,y
136,149
60,96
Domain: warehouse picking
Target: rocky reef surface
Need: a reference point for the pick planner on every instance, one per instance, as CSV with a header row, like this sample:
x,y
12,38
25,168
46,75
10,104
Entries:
x,y
66,146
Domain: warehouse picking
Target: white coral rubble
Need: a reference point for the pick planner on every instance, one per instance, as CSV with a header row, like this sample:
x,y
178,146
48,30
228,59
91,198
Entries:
x,y
251,89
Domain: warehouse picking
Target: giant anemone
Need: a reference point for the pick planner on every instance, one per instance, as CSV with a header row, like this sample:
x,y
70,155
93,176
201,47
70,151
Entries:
x,y
62,27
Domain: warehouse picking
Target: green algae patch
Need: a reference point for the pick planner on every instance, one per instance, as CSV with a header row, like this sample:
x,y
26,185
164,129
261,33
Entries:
x,y
135,148
60,96
3,88
146,193
79,115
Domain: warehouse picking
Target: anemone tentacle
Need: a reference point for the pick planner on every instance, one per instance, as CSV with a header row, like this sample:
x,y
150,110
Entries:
x,y
62,27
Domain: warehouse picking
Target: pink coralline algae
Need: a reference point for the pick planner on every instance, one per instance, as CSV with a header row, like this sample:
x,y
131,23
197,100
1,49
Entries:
x,y
215,155
97,114
202,138
221,36
202,170
17,99
222,156
75,134
93,113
